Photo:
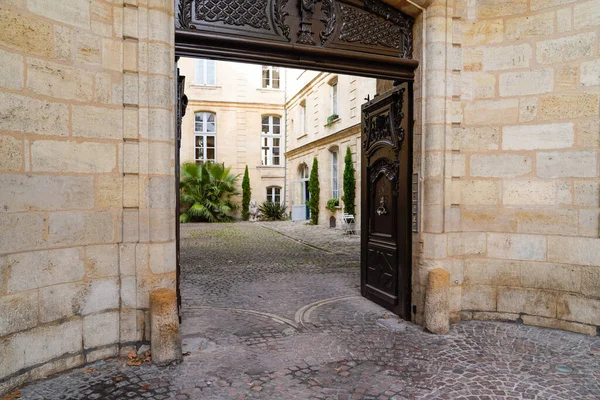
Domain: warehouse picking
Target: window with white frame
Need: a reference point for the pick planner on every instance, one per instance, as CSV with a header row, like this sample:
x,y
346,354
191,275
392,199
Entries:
x,y
274,194
335,182
206,72
304,172
334,97
271,140
205,132
270,77
302,124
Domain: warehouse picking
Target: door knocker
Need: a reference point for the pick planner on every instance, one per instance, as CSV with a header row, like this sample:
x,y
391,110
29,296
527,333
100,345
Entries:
x,y
381,209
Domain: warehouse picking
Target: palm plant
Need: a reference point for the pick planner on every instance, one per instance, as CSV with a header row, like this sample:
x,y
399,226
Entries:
x,y
207,190
272,211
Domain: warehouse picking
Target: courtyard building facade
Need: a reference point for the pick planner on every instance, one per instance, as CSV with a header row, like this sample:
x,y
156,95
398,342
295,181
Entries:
x,y
506,148
324,120
236,117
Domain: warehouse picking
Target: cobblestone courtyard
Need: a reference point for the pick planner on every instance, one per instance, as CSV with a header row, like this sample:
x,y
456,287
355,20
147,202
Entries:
x,y
273,311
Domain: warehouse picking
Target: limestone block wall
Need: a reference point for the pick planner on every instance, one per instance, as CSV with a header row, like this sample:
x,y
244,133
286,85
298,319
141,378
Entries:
x,y
517,174
86,179
239,102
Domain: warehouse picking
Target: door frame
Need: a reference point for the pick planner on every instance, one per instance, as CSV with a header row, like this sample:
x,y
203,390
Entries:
x,y
226,41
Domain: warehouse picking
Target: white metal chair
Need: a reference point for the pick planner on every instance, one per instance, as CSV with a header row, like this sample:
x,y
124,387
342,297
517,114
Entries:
x,y
347,223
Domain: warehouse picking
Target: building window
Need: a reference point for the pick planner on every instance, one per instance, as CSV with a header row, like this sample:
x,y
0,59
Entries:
x,y
302,124
205,131
271,140
335,183
304,172
205,73
334,97
270,77
274,194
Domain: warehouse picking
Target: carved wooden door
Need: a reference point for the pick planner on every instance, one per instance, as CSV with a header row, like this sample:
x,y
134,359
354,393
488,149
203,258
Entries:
x,y
386,202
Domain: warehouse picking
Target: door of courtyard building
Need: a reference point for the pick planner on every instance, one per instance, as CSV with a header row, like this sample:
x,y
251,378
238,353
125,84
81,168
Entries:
x,y
301,195
368,39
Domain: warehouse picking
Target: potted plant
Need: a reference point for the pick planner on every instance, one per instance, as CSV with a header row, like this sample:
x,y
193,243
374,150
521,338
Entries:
x,y
332,204
331,119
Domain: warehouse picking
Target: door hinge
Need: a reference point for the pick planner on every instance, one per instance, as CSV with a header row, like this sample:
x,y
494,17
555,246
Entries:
x,y
414,308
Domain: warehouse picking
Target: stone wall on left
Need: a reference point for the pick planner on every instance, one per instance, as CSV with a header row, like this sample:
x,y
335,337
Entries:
x,y
87,220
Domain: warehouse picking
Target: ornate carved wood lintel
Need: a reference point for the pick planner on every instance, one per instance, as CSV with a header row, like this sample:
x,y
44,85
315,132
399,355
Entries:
x,y
368,27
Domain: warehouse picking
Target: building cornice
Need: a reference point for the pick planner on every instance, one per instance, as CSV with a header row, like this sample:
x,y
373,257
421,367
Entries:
x,y
344,133
232,104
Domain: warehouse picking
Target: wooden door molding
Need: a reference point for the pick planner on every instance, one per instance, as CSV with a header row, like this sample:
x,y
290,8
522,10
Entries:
x,y
385,200
362,37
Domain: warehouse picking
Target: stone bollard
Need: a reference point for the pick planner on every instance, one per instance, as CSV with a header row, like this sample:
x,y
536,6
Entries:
x,y
437,307
165,337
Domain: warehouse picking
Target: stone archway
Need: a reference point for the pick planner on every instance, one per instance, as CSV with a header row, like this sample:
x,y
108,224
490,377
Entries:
x,y
367,38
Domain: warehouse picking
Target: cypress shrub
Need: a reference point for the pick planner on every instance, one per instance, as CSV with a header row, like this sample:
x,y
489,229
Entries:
x,y
246,194
314,190
349,184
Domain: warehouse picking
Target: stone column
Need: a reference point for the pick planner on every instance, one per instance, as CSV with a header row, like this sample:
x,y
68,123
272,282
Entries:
x,y
436,302
165,334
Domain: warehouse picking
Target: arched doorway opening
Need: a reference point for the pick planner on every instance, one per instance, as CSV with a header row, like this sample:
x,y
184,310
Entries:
x,y
300,194
304,34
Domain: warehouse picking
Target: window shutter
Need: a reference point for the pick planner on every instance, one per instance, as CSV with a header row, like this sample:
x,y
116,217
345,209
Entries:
x,y
199,73
211,75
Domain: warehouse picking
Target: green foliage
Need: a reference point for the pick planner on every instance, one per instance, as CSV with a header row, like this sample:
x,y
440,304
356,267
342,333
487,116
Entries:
x,y
349,184
246,194
272,211
332,204
331,118
314,190
207,191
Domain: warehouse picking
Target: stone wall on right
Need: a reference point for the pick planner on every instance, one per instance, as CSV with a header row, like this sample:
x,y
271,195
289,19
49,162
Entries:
x,y
522,218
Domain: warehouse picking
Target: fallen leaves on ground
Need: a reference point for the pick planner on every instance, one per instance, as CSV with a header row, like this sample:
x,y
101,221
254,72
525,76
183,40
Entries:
x,y
89,370
187,353
11,396
136,360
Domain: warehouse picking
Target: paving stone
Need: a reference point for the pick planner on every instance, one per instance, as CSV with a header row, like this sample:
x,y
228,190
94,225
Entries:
x,y
270,315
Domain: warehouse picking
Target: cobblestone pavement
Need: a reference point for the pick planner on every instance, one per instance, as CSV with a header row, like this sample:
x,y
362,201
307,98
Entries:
x,y
268,316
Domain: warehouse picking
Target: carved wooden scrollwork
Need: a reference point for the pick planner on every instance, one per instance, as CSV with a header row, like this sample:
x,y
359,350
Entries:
x,y
378,129
185,14
383,122
399,116
386,167
369,26
279,15
329,11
